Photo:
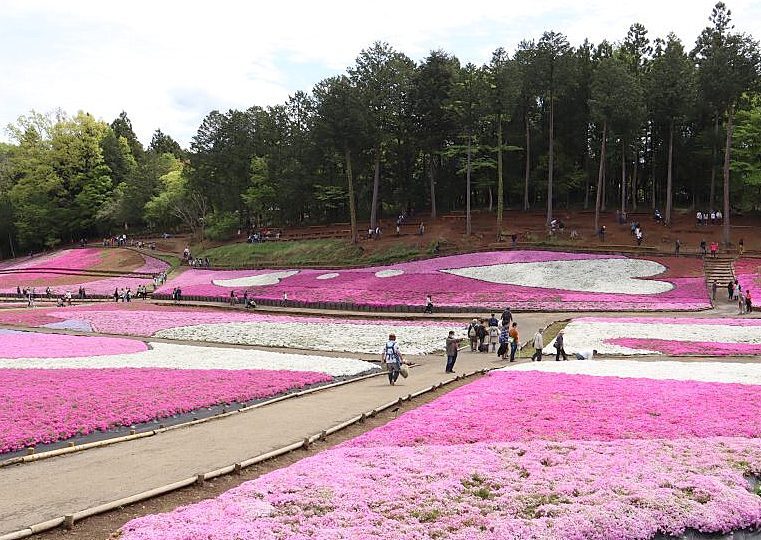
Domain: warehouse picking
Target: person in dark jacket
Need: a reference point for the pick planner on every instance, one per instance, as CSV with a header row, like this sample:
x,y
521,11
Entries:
x,y
559,347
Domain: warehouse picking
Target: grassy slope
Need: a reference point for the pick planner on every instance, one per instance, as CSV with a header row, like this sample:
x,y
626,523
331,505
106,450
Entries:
x,y
304,253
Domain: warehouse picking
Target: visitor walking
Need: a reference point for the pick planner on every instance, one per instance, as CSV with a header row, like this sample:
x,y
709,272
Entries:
x,y
428,304
730,290
393,359
493,338
748,302
741,306
515,340
677,246
482,335
714,288
507,317
538,346
493,321
560,346
504,342
452,345
714,249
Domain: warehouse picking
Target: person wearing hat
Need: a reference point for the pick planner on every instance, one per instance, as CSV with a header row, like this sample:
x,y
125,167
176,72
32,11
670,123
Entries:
x,y
559,349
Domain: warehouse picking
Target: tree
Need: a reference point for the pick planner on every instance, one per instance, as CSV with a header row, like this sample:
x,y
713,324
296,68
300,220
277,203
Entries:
x,y
382,78
552,58
161,143
467,103
342,123
728,66
434,120
670,94
504,86
525,59
611,84
746,157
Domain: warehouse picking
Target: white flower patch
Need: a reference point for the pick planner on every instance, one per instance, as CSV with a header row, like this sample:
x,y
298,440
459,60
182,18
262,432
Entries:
x,y
345,337
612,276
723,372
332,275
272,278
586,335
171,356
388,273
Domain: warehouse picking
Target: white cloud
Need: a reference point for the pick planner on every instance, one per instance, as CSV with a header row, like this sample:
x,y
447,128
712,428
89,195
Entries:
x,y
168,63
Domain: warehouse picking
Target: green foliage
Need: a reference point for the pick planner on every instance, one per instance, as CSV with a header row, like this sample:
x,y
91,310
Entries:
x,y
222,225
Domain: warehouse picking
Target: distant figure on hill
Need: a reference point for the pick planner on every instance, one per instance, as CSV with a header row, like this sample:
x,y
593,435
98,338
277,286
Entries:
x,y
428,304
677,246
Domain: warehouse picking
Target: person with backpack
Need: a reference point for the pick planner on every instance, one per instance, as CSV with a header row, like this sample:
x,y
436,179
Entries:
x,y
493,321
473,335
493,337
393,359
482,333
507,317
559,347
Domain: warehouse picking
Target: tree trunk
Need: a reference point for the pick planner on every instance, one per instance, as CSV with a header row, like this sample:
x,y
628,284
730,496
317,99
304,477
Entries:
x,y
467,197
526,204
352,205
669,174
712,196
623,176
604,185
432,175
376,188
587,183
551,161
600,183
727,156
500,179
634,179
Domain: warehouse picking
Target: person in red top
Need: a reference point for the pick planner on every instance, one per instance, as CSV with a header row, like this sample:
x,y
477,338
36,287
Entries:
x,y
714,249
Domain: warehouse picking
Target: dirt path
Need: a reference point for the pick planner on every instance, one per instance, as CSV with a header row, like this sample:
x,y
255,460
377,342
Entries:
x,y
38,491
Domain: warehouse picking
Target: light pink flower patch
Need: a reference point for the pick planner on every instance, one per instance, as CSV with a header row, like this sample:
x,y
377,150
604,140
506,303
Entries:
x,y
686,348
69,262
533,490
420,278
48,405
513,406
143,319
37,345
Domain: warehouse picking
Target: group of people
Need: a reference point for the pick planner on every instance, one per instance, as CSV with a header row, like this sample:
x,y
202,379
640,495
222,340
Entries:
x,y
735,292
714,217
637,232
484,335
246,300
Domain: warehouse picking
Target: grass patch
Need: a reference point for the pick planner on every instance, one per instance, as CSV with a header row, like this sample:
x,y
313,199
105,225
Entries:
x,y
550,333
328,252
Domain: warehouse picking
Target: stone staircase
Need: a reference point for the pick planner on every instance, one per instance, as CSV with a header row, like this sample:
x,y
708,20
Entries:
x,y
720,270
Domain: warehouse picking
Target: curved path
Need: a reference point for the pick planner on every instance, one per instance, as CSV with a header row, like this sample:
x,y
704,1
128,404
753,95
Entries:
x,y
34,492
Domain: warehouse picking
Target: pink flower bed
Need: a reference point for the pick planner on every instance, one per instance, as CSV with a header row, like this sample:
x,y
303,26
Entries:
x,y
522,406
36,345
67,263
683,348
363,287
513,455
142,319
748,273
48,405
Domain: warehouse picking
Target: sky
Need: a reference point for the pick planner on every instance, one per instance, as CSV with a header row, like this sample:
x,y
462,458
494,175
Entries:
x,y
169,63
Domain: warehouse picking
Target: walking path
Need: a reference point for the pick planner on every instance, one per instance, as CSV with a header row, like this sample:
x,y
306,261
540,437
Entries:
x,y
35,492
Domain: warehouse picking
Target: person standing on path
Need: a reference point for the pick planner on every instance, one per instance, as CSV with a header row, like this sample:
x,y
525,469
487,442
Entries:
x,y
677,246
515,340
748,302
452,345
730,290
538,346
507,317
393,359
504,342
473,335
493,337
741,303
714,249
714,288
560,347
428,304
493,321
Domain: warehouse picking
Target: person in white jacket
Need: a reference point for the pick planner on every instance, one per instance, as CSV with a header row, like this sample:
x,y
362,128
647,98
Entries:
x,y
538,346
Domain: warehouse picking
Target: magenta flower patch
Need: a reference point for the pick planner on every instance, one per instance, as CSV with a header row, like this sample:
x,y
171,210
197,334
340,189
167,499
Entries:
x,y
526,280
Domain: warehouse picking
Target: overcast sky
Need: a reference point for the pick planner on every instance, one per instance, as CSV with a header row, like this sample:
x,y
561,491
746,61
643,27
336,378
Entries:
x,y
168,63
